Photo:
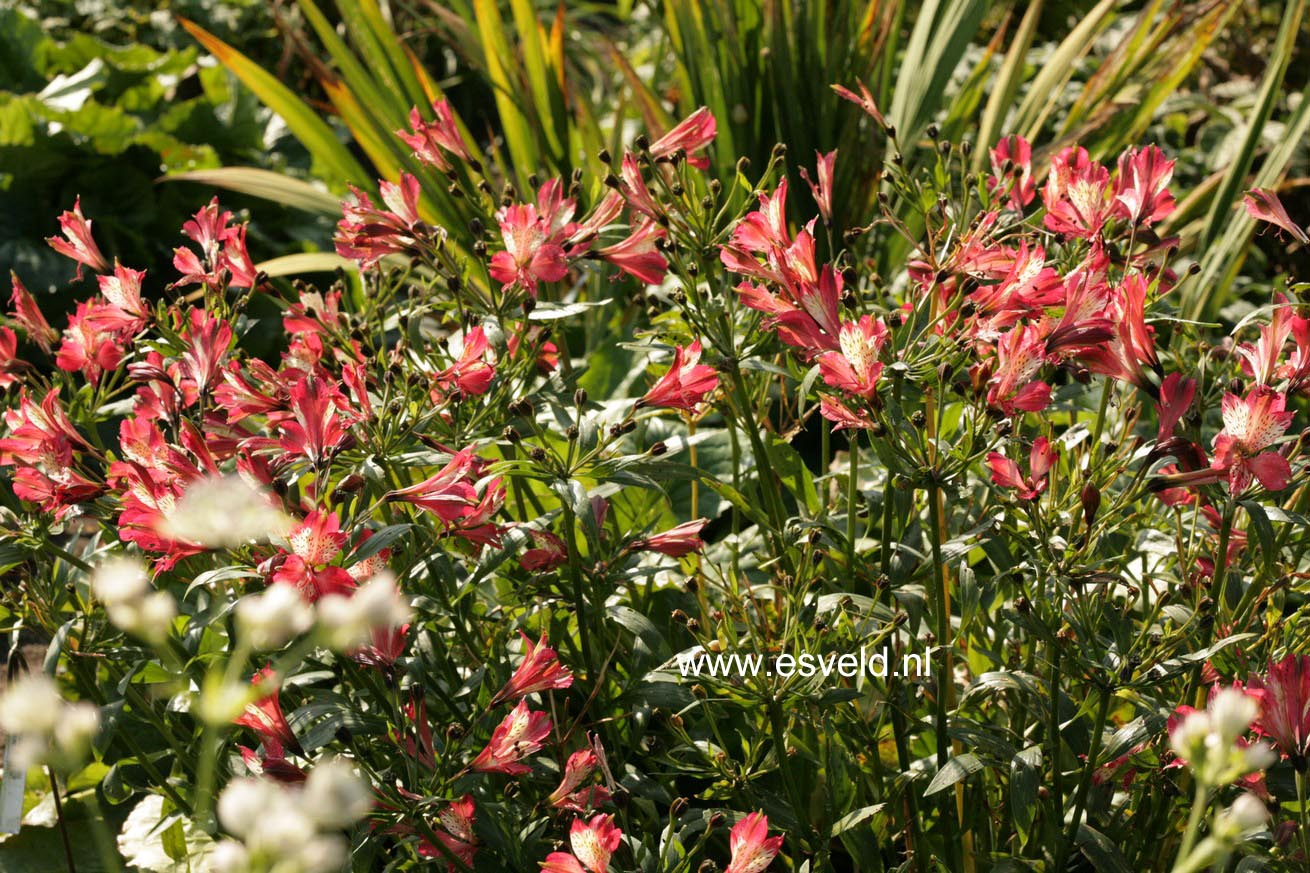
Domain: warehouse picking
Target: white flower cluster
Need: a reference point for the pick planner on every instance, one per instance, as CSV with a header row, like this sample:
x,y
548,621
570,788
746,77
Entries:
x,y
274,616
123,586
276,828
1208,740
224,512
42,726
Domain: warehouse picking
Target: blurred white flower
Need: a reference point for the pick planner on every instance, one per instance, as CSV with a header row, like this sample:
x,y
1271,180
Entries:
x,y
31,705
349,622
120,579
228,856
224,512
273,617
42,725
335,796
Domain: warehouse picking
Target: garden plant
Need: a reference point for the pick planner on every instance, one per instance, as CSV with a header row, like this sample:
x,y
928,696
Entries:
x,y
641,498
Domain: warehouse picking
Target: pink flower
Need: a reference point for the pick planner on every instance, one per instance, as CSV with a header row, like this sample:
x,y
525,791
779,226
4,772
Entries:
x,y
686,384
448,493
126,312
1019,357
320,417
1176,395
1075,195
546,556
385,650
1264,205
315,543
88,348
1007,474
78,243
264,716
455,833
856,368
207,339
471,375
532,254
753,850
637,255
28,316
518,736
1142,188
9,361
572,793
842,416
1262,359
1252,425
1284,695
1018,181
432,140
367,233
822,189
674,542
539,671
593,843
691,134
223,258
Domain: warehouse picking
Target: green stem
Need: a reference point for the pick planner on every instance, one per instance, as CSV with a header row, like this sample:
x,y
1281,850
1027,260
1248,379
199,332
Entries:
x,y
852,500
1085,784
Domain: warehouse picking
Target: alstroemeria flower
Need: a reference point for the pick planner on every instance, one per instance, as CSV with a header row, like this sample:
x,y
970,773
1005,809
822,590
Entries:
x,y
367,233
572,793
78,244
1016,182
1007,474
87,347
319,421
1076,195
456,833
686,384
432,140
264,715
1264,205
532,254
1142,186
223,257
315,543
593,843
1019,357
822,189
753,850
472,373
521,734
1176,395
1251,425
691,134
9,361
674,542
1284,695
28,316
637,255
448,494
856,368
539,671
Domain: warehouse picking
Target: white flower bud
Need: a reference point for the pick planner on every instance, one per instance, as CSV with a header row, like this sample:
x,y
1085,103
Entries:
x,y
224,512
78,724
274,617
322,854
335,796
1231,714
349,622
228,856
246,802
282,828
1248,812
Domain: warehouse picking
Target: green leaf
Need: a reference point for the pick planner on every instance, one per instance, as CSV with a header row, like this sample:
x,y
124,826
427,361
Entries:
x,y
957,768
266,184
1025,780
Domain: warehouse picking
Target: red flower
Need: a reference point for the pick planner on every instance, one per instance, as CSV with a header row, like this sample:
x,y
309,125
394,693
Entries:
x,y
518,736
1252,425
320,416
1142,188
28,316
840,415
456,833
471,375
387,647
223,258
1261,359
1019,357
264,716
315,542
753,850
571,794
1075,195
856,368
1264,205
674,542
125,313
449,494
432,140
367,233
1007,474
532,254
637,256
88,348
540,671
543,557
1017,182
691,134
686,384
1176,395
78,243
864,100
593,843
271,761
9,361
822,189
207,338
1284,695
